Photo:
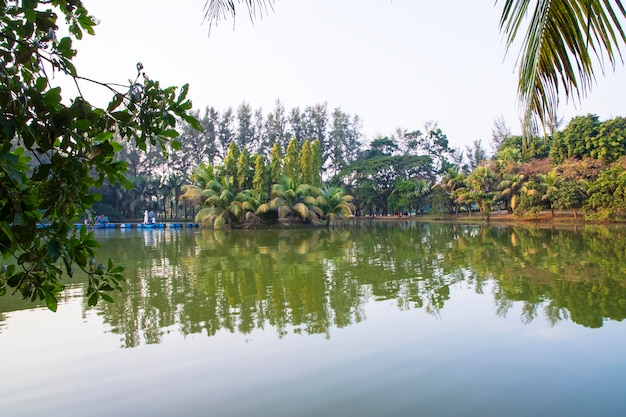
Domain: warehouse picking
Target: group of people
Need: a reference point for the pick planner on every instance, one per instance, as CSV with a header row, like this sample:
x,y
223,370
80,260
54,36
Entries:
x,y
149,217
99,219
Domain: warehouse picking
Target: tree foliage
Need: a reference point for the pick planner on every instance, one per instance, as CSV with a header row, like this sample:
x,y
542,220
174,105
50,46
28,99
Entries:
x,y
55,149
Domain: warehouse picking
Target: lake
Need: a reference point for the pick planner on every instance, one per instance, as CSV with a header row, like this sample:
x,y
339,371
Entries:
x,y
380,318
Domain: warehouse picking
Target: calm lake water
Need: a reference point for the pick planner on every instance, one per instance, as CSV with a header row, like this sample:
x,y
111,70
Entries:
x,y
376,319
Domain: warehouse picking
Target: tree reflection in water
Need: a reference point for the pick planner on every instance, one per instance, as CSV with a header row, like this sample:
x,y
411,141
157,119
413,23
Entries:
x,y
310,281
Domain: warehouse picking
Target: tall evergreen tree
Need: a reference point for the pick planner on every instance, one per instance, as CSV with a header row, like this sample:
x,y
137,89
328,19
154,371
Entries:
x,y
334,152
306,164
275,129
297,124
210,150
259,181
225,133
243,170
229,166
276,163
316,152
245,127
291,166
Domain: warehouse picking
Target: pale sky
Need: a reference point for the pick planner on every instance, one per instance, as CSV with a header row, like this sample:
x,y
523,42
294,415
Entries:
x,y
396,63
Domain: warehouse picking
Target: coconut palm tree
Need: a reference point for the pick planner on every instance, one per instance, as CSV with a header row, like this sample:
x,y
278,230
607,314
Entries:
x,y
201,176
221,206
421,192
293,200
550,184
452,181
508,189
481,182
335,204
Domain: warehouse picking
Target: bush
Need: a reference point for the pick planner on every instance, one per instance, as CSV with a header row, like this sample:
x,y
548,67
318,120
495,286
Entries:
x,y
529,206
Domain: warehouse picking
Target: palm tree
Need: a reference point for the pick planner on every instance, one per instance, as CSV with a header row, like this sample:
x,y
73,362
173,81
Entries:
x,y
293,200
201,176
335,204
550,183
508,190
421,192
220,206
481,182
452,181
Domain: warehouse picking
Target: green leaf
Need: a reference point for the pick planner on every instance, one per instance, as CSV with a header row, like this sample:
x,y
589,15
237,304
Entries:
x,y
115,103
106,297
82,124
93,299
51,301
52,97
41,84
117,147
183,93
171,133
195,123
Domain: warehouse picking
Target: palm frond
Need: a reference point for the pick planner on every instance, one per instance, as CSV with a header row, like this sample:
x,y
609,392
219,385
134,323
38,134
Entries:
x,y
216,10
558,49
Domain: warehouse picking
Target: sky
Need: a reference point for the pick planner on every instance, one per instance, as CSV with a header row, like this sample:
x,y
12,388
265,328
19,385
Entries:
x,y
395,63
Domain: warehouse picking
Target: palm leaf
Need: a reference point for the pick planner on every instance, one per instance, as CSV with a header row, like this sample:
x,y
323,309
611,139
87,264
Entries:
x,y
558,49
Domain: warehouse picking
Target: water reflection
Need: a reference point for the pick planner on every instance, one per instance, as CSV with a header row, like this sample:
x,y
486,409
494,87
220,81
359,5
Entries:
x,y
309,281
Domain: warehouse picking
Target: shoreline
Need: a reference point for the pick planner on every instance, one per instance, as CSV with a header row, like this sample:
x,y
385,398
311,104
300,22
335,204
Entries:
x,y
545,218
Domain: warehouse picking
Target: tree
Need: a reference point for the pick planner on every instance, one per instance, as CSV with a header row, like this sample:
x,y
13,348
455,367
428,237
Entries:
x,y
229,166
259,181
307,169
222,207
225,133
577,140
550,182
243,170
607,195
335,204
610,143
476,154
316,171
499,133
291,166
453,181
276,163
508,190
295,200
245,127
375,174
570,195
481,182
276,128
55,150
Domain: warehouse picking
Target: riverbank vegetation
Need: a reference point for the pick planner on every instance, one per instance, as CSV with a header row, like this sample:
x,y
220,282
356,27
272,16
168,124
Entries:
x,y
284,166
